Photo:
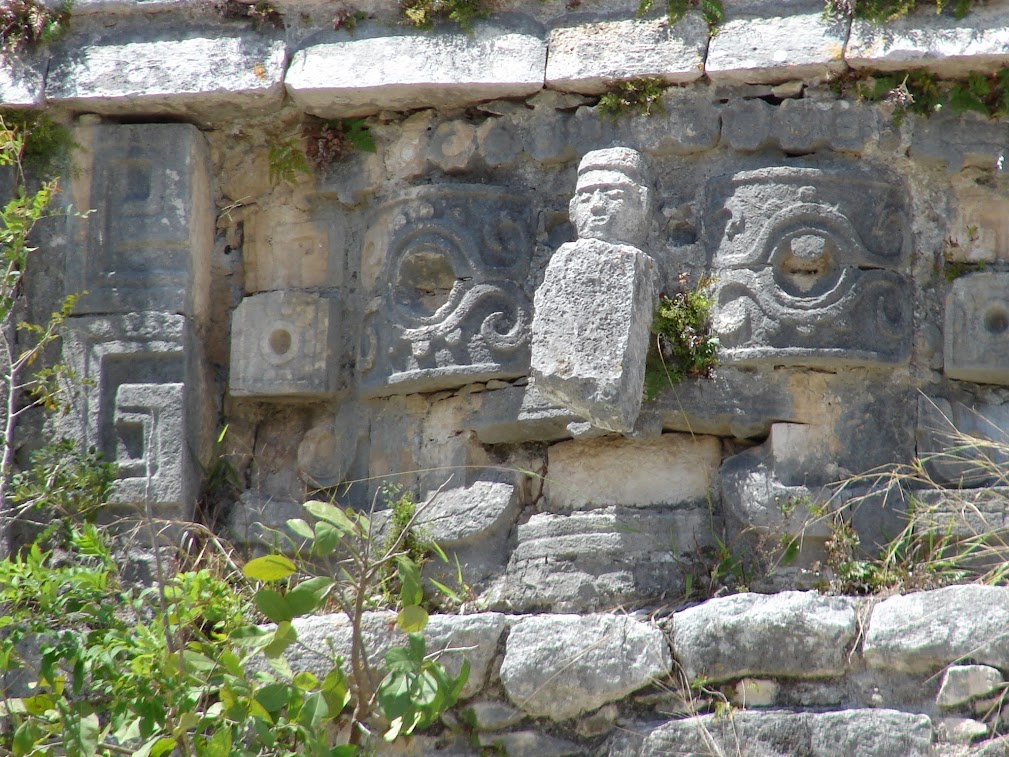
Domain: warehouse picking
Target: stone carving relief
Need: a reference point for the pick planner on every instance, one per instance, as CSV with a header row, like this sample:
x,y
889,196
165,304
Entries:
x,y
594,307
809,266
976,337
444,268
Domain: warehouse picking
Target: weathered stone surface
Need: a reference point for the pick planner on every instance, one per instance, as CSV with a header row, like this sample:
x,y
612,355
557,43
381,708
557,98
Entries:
x,y
947,46
961,683
976,336
961,445
254,522
673,469
22,81
795,634
960,731
146,408
965,512
285,344
530,744
492,715
453,146
559,666
327,450
283,250
598,559
149,69
747,124
148,243
596,372
687,124
518,414
955,142
375,68
466,637
872,733
461,516
925,631
440,264
770,50
589,58
807,263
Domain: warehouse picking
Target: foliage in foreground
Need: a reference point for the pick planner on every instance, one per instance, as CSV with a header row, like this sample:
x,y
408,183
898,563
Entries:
x,y
682,346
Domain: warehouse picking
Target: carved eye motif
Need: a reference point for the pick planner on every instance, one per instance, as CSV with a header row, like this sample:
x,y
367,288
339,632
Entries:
x,y
807,263
424,281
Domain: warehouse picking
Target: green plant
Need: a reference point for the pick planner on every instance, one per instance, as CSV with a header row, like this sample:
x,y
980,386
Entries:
x,y
45,141
26,23
711,10
882,11
634,96
953,267
286,161
424,13
683,345
328,142
261,12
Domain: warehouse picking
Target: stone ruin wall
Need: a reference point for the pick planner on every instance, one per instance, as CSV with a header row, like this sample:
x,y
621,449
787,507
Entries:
x,y
376,320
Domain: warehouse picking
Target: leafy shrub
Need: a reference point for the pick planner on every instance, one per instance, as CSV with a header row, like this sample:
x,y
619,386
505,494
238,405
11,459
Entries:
x,y
26,23
881,11
635,96
711,10
424,13
683,346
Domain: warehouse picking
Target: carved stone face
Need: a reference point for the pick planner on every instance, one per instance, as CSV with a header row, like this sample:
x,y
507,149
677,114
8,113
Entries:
x,y
609,206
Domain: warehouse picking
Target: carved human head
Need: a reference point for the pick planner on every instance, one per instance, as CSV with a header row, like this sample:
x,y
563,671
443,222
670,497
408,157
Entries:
x,y
612,198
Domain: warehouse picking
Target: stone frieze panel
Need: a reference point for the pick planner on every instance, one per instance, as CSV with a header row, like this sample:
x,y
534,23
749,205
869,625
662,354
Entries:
x,y
445,268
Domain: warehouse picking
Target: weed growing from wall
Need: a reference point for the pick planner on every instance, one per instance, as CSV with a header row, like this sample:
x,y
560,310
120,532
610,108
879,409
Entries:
x,y
261,13
643,96
328,142
26,23
425,13
682,346
882,11
711,10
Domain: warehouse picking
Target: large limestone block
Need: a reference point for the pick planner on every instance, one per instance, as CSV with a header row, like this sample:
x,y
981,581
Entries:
x,y
443,268
465,637
464,515
375,69
768,50
22,81
796,634
673,469
593,313
284,344
976,337
559,666
947,46
148,244
516,414
141,68
866,733
602,558
961,683
925,631
589,58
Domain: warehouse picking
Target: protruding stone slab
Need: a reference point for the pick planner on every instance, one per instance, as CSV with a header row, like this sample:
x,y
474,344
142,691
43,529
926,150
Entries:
x,y
598,559
923,632
976,337
148,243
559,666
443,266
375,69
947,46
285,344
518,414
962,683
589,58
673,469
809,268
144,69
462,516
22,81
795,634
768,50
873,733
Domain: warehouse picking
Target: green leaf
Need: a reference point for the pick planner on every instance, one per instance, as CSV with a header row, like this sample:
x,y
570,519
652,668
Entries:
x,y
345,750
411,592
331,514
313,711
273,605
412,619
273,696
305,680
300,528
218,745
327,537
252,637
269,568
283,637
80,735
25,737
308,595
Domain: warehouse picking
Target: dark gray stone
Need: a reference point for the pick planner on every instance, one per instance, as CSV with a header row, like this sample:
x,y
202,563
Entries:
x,y
977,320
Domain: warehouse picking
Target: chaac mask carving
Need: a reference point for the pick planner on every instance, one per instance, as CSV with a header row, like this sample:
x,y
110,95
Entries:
x,y
809,265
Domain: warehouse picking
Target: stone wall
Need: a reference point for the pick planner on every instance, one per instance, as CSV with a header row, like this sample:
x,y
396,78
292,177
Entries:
x,y
431,314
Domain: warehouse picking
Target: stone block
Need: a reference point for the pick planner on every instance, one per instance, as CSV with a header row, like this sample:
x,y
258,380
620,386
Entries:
x,y
285,344
256,519
955,142
946,46
962,683
803,126
560,666
443,267
281,250
964,513
746,124
867,733
795,634
923,632
601,558
493,716
961,445
530,744
22,81
453,146
591,330
518,414
146,406
976,336
674,469
147,69
809,268
376,69
148,243
686,125
590,57
762,51
462,516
